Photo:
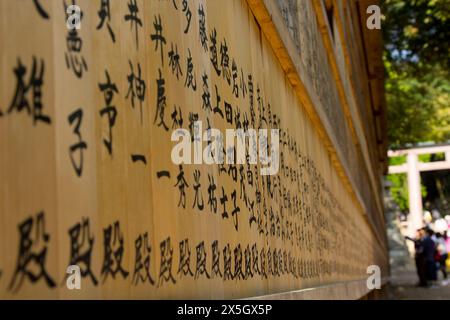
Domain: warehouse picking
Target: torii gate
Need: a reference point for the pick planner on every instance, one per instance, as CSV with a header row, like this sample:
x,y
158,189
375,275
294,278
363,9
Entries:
x,y
413,168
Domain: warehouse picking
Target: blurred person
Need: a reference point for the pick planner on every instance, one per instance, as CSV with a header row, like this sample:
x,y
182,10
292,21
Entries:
x,y
429,250
441,247
427,217
447,240
419,257
435,214
440,225
447,218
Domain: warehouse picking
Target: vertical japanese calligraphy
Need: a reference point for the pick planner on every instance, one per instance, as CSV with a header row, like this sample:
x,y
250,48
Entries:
x,y
86,123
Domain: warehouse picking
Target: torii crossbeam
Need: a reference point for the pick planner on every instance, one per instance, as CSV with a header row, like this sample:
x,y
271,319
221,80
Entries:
x,y
413,167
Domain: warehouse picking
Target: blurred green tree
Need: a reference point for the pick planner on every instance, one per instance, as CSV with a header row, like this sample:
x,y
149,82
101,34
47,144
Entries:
x,y
417,62
417,32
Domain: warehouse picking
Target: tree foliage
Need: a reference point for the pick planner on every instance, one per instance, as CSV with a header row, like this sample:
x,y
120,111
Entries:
x,y
417,32
418,106
417,62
